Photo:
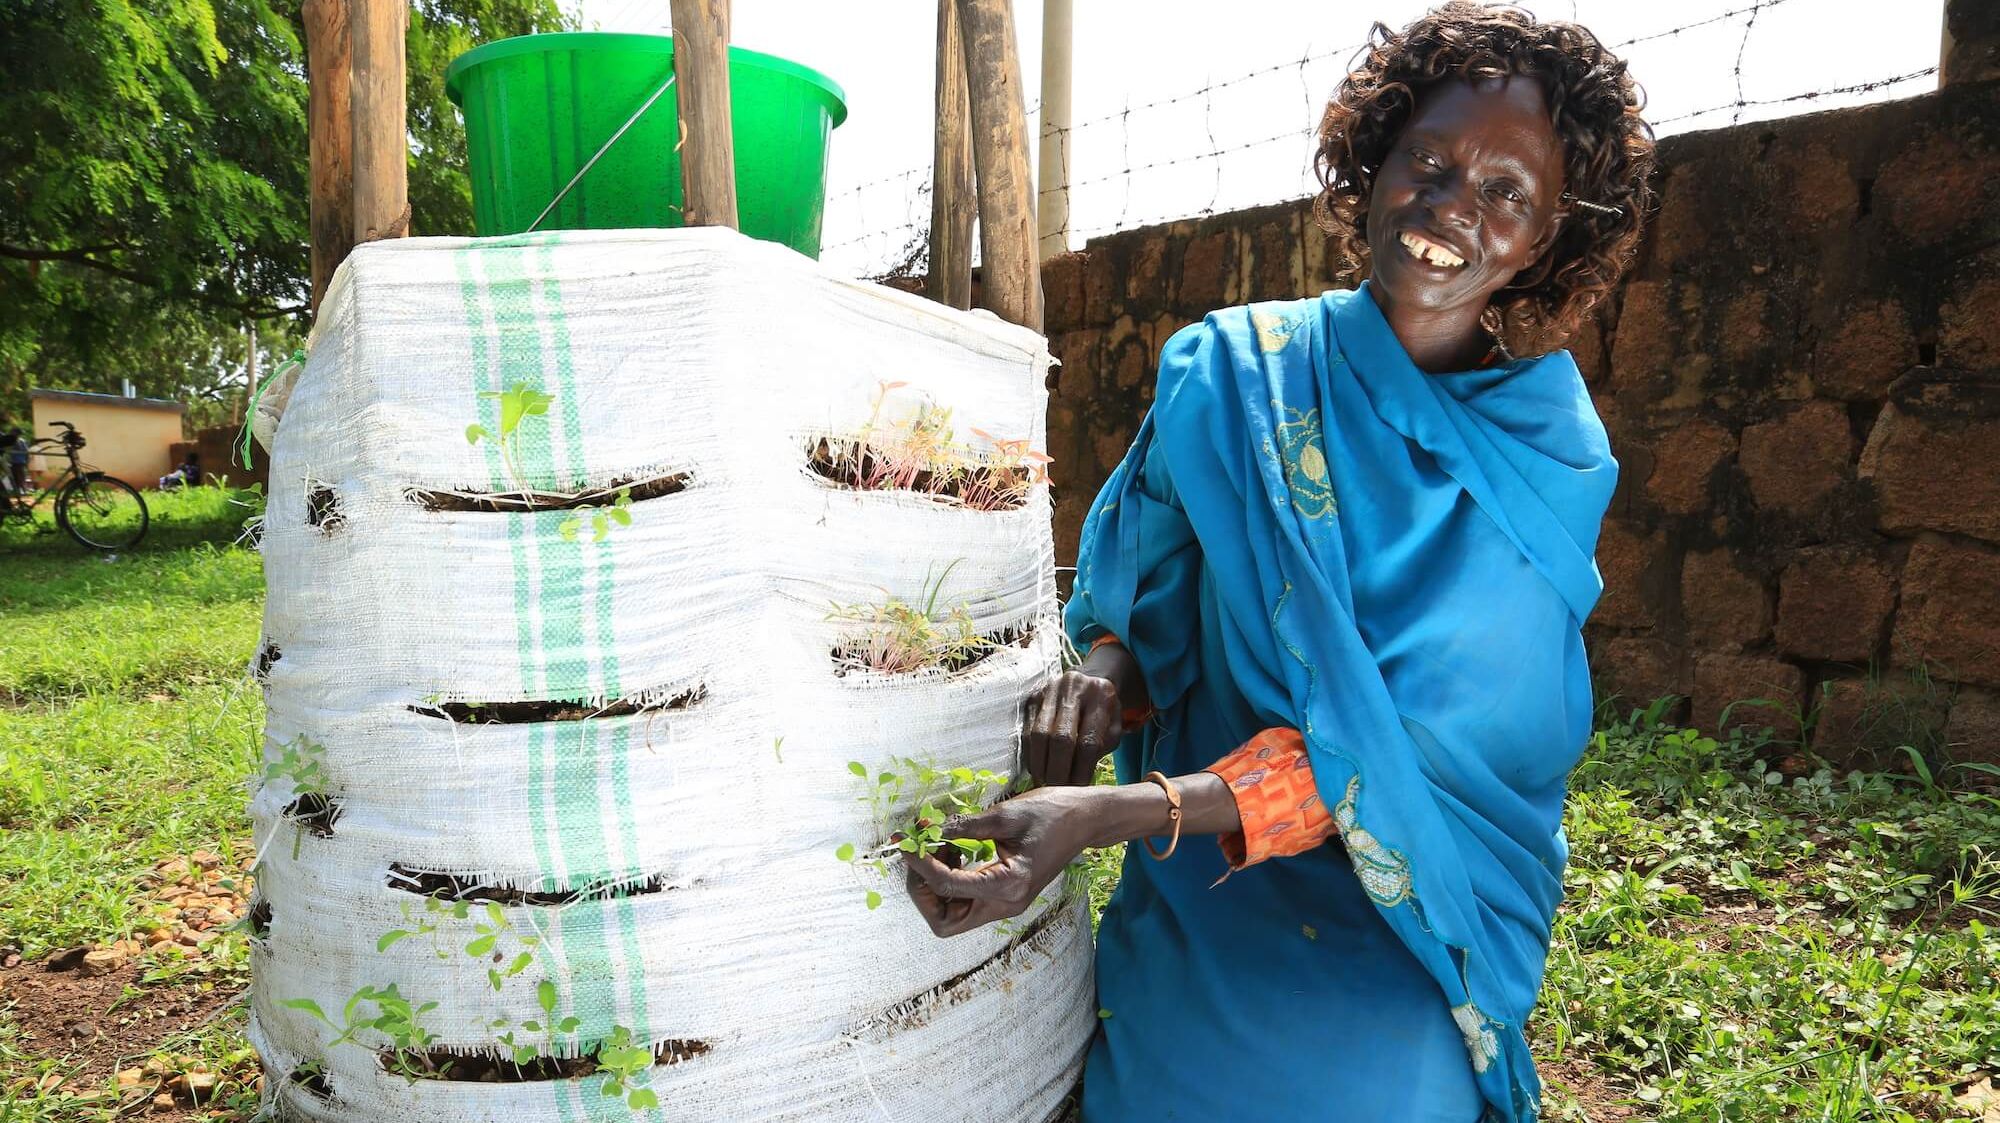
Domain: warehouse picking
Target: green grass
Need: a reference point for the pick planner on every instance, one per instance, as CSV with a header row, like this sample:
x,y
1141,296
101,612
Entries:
x,y
127,724
1738,946
1735,946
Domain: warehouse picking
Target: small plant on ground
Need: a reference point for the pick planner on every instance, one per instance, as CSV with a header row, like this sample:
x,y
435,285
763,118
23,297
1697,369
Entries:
x,y
909,809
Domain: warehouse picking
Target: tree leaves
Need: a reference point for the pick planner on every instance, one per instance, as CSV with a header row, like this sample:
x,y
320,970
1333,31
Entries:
x,y
154,167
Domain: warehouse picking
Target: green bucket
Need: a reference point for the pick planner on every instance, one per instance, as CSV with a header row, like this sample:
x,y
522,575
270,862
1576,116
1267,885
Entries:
x,y
538,107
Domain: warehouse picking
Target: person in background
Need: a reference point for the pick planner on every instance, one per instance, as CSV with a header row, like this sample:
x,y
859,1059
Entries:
x,y
16,444
1333,601
187,475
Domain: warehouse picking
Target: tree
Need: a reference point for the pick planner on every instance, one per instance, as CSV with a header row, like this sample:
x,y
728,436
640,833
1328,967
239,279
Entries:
x,y
153,166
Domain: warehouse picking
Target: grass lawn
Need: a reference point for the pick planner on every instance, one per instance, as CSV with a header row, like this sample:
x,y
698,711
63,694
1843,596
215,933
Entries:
x,y
1737,945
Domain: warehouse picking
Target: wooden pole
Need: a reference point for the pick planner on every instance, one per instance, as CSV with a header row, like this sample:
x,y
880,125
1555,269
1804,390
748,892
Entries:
x,y
1011,281
701,81
953,203
1052,172
330,139
381,120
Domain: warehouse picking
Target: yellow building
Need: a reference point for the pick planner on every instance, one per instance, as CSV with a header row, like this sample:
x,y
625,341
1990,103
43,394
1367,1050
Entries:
x,y
130,438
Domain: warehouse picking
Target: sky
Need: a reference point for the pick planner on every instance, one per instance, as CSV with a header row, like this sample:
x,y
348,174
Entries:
x,y
1268,67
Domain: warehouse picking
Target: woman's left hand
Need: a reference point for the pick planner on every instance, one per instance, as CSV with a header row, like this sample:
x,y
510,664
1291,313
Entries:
x,y
1037,834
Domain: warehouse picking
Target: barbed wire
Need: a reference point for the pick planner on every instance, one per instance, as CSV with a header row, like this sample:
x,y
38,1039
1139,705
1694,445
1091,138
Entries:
x,y
895,246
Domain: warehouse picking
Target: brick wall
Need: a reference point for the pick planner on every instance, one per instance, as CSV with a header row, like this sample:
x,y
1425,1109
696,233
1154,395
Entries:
x,y
1802,382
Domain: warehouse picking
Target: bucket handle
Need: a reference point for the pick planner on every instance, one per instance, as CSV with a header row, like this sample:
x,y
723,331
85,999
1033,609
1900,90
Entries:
x,y
592,162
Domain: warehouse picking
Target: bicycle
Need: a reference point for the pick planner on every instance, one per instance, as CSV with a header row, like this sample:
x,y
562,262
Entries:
x,y
99,511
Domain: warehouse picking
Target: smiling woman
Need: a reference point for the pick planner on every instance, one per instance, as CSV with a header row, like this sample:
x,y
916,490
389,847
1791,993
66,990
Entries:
x,y
1350,555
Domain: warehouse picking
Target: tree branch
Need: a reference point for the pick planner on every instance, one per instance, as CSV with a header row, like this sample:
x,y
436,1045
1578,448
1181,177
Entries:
x,y
82,256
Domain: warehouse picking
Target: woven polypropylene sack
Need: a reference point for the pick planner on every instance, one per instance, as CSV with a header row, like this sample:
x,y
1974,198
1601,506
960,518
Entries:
x,y
670,842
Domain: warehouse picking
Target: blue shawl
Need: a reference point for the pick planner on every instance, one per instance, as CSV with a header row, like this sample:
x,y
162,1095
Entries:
x,y
1401,564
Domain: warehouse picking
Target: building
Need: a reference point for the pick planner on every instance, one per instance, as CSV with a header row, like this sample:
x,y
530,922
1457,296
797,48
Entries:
x,y
130,438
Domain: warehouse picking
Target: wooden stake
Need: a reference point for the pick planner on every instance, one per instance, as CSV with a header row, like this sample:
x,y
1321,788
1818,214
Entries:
x,y
1011,282
381,120
330,140
953,203
701,88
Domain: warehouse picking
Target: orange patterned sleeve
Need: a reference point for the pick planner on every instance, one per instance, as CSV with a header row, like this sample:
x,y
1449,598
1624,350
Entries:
x,y
1272,780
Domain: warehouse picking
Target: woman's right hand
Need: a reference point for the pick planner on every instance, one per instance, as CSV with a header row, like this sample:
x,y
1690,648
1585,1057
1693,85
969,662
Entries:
x,y
1070,726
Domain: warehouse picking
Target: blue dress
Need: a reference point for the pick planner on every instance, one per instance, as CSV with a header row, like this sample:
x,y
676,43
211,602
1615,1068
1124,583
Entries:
x,y
1309,532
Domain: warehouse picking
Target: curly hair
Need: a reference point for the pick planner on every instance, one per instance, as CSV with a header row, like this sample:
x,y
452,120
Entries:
x,y
1594,104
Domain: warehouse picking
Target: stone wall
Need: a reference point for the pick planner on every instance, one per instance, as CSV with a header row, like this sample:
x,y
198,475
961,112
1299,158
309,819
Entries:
x,y
1801,377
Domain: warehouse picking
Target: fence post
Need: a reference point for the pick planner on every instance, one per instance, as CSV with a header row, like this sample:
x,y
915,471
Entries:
x,y
329,139
948,279
1971,48
381,120
1011,276
701,70
1052,178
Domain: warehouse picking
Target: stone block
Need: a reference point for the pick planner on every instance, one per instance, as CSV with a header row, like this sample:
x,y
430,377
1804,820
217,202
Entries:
x,y
1684,463
1277,264
1079,363
1936,184
1834,605
1869,346
1103,285
1726,608
1751,691
1146,275
1208,271
1969,324
1949,618
1795,460
1943,476
1745,335
1972,735
1586,346
1634,565
1637,671
1864,723
1643,348
1062,292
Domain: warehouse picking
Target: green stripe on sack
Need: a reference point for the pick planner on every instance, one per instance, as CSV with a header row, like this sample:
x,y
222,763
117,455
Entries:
x,y
583,825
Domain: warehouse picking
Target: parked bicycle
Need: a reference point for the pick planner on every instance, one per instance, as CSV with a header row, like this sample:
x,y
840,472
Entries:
x,y
100,511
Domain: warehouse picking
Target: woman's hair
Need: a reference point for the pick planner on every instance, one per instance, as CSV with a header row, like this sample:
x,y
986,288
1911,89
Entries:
x,y
1594,104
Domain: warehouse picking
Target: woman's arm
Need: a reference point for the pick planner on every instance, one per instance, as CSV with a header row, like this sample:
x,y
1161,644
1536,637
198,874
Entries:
x,y
1041,832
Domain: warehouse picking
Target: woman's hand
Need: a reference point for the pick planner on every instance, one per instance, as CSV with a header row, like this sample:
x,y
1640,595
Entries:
x,y
1038,834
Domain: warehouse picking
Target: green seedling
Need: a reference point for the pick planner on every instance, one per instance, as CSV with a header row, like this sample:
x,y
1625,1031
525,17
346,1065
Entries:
x,y
518,402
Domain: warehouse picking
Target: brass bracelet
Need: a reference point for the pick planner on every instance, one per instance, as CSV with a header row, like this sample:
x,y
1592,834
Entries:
x,y
1173,816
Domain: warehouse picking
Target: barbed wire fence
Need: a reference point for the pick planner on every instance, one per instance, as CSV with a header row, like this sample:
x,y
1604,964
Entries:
x,y
1133,165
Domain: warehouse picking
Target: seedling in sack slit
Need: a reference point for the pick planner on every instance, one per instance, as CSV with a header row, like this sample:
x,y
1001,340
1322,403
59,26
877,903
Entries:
x,y
923,454
899,638
300,764
617,512
518,402
910,809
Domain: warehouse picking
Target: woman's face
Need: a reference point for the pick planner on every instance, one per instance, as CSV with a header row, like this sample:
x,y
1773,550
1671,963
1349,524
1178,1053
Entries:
x,y
1467,195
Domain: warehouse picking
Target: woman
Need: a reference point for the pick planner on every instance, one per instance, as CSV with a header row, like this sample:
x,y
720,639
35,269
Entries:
x,y
1352,543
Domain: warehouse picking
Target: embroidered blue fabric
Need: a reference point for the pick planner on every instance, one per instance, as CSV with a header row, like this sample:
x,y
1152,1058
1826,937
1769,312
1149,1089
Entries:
x,y
1311,532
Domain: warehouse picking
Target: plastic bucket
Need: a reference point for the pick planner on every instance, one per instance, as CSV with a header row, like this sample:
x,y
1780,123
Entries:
x,y
538,107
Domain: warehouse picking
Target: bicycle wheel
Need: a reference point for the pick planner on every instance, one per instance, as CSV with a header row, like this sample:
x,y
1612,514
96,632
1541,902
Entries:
x,y
102,513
